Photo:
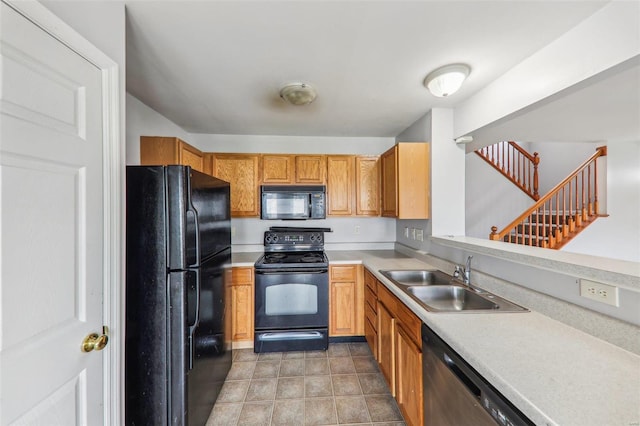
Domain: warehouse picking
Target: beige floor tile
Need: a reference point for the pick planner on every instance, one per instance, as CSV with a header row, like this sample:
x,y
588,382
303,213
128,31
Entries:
x,y
290,387
256,414
373,383
317,386
270,356
341,365
365,365
319,411
288,412
291,367
266,369
241,370
315,354
262,390
244,355
383,408
339,349
224,414
359,349
234,391
316,366
346,384
352,409
293,355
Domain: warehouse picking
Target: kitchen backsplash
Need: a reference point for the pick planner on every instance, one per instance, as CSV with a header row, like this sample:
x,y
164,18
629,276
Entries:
x,y
348,233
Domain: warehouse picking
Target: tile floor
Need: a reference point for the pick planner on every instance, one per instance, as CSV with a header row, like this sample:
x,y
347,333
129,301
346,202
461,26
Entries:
x,y
342,385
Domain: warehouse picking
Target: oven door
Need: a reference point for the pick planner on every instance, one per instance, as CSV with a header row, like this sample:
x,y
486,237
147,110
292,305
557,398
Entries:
x,y
291,299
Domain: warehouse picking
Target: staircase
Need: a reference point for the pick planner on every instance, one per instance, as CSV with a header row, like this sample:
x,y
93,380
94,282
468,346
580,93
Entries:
x,y
514,163
561,214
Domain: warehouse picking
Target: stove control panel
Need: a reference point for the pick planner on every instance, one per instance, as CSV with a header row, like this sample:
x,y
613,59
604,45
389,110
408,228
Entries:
x,y
293,238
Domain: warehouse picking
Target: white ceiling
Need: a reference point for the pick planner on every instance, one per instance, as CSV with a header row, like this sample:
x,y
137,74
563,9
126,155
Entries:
x,y
217,66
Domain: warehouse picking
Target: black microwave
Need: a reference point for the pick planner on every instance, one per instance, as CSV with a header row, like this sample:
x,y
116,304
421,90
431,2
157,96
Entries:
x,y
293,202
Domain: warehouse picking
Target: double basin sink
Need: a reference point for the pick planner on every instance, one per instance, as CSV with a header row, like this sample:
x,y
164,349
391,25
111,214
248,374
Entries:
x,y
438,292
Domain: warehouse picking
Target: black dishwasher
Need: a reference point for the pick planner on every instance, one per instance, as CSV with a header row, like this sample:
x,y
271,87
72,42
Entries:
x,y
456,395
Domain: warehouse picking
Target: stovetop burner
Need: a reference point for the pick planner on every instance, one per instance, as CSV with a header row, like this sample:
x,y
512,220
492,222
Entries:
x,y
293,259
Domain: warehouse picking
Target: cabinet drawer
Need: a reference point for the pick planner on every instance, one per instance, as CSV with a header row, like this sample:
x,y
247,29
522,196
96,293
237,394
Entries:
x,y
370,298
371,316
370,281
387,298
410,323
242,276
372,338
343,273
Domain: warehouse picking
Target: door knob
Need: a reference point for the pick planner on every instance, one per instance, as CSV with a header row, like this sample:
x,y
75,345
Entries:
x,y
95,341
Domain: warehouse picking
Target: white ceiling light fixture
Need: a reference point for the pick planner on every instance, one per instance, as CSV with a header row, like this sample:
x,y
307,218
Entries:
x,y
446,80
298,93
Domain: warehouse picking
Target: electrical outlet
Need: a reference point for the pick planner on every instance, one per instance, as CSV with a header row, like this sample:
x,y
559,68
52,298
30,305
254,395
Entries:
x,y
406,232
419,235
356,229
604,293
413,233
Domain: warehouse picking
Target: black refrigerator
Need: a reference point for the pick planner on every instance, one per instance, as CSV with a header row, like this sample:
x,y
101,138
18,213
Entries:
x,y
178,340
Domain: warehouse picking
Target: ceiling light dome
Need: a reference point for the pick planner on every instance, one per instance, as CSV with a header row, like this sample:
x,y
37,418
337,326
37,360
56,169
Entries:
x,y
446,80
298,93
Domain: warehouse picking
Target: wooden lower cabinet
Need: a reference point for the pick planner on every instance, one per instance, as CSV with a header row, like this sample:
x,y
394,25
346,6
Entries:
x,y
242,294
346,295
398,342
408,377
386,353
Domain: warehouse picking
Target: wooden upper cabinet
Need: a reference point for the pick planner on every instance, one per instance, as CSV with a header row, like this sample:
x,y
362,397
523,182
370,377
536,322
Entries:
x,y
340,185
389,182
353,185
310,169
277,169
367,186
406,181
163,151
242,171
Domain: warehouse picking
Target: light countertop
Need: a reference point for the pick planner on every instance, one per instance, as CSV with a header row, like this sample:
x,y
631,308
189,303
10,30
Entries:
x,y
553,373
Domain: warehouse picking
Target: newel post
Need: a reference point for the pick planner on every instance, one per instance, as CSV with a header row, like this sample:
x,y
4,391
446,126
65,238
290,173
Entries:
x,y
536,161
494,234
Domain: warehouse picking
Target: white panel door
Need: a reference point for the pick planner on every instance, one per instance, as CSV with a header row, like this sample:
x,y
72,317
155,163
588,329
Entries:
x,y
51,219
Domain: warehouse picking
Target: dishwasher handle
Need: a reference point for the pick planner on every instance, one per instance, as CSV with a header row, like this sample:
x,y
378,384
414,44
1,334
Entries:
x,y
464,378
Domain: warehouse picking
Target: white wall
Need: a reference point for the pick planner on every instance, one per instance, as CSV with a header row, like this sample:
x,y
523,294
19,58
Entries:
x,y
491,200
616,236
607,38
143,121
558,159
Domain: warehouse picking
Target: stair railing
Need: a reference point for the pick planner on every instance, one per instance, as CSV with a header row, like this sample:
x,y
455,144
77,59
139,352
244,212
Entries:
x,y
515,163
571,204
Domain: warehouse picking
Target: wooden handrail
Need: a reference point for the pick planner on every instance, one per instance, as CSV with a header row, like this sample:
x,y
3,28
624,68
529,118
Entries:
x,y
515,163
570,203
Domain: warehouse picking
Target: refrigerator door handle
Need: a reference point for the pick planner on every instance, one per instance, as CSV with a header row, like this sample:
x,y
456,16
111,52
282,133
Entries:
x,y
196,321
191,209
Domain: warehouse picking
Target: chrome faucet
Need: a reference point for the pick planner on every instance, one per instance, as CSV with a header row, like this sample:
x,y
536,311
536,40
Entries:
x,y
463,273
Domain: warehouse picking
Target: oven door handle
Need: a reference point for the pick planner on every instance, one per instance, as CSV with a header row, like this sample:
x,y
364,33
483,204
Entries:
x,y
291,335
291,271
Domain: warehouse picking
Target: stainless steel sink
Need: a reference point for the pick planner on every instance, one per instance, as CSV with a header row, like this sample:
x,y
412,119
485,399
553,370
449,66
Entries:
x,y
436,291
450,298
415,277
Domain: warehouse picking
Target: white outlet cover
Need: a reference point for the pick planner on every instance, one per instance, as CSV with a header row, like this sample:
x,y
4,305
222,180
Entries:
x,y
600,292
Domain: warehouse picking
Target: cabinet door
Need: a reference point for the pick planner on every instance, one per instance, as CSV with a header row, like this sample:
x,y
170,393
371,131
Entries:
x,y
242,293
340,185
189,156
413,180
242,172
346,300
310,169
389,183
367,186
386,353
277,169
408,378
